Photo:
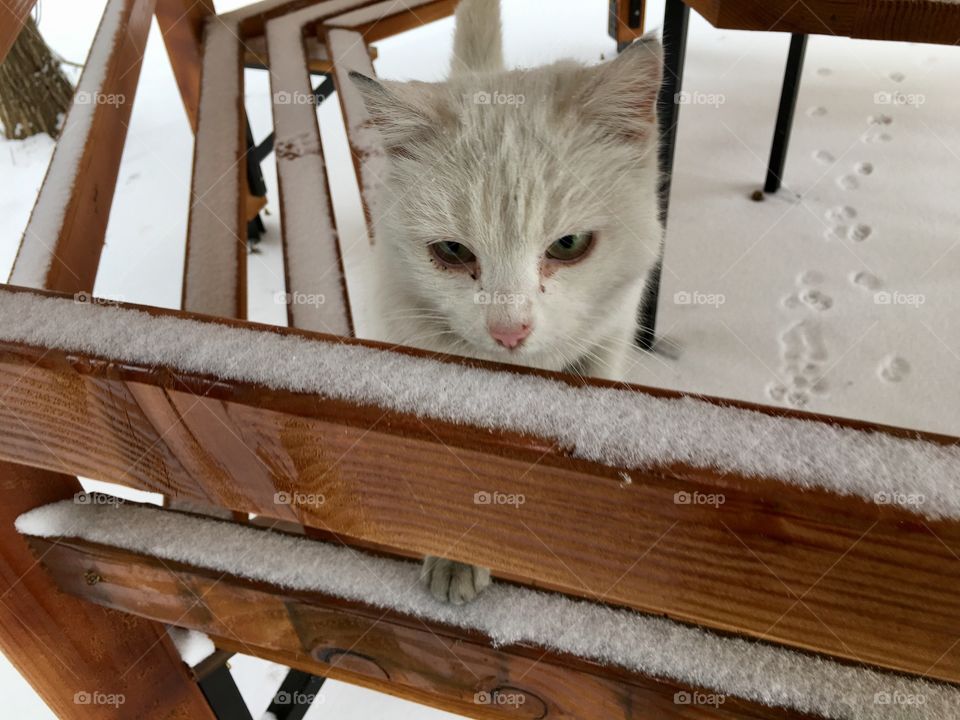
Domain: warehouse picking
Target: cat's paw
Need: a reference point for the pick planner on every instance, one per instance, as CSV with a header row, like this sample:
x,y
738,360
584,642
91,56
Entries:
x,y
453,582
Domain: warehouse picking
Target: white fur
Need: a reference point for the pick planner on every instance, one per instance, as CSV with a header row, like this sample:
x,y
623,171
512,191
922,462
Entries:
x,y
507,179
507,162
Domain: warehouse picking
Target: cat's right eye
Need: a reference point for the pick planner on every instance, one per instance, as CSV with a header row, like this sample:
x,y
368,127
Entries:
x,y
454,255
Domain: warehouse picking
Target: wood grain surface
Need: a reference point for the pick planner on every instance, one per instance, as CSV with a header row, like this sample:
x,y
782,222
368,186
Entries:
x,y
427,662
929,21
809,569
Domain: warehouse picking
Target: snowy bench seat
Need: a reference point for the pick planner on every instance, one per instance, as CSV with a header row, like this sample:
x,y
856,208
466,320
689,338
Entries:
x,y
735,519
280,592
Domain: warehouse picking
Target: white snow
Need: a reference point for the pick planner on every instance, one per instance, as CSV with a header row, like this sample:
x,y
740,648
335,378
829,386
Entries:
x,y
316,286
349,54
506,614
194,647
718,242
212,274
42,233
377,11
616,427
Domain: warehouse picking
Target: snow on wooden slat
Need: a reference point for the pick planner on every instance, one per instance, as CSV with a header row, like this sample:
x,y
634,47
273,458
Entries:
x,y
349,53
389,17
316,286
61,245
505,615
215,264
621,428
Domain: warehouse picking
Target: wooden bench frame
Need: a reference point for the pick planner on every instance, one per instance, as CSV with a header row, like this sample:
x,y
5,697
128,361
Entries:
x,y
773,563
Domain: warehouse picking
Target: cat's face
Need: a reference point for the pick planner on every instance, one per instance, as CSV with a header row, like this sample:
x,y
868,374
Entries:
x,y
521,207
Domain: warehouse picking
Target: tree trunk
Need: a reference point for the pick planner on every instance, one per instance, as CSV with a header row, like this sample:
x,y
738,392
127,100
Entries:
x,y
34,92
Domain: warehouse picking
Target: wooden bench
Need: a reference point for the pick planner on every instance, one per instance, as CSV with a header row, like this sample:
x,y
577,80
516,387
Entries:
x,y
726,554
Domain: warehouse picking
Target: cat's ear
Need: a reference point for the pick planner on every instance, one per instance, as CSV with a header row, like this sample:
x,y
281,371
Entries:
x,y
405,113
622,94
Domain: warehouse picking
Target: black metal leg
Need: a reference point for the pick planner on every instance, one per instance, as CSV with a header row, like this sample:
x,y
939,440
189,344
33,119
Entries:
x,y
675,21
296,694
257,187
222,694
788,105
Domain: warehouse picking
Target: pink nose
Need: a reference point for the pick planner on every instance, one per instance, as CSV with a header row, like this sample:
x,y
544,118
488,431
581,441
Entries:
x,y
510,336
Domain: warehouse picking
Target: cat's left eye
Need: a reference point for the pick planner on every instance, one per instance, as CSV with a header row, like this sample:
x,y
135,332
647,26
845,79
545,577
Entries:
x,y
570,247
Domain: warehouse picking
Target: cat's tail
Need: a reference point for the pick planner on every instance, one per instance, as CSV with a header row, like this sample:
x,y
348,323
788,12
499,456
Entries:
x,y
478,40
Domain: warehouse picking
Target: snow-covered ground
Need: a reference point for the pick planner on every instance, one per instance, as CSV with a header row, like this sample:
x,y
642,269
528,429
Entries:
x,y
838,295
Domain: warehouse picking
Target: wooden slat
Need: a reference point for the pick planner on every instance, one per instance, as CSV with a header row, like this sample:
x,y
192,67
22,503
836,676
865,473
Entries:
x,y
930,21
71,650
390,17
423,661
805,568
346,37
181,24
627,20
13,14
215,265
313,264
255,53
347,51
63,240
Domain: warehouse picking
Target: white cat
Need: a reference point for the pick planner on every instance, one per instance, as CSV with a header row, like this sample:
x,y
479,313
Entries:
x,y
522,215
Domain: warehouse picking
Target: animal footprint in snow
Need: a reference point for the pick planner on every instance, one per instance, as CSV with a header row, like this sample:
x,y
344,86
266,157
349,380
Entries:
x,y
815,299
810,277
893,368
803,341
802,350
859,233
873,136
897,76
848,182
864,168
841,213
838,232
824,71
823,156
817,111
879,119
866,280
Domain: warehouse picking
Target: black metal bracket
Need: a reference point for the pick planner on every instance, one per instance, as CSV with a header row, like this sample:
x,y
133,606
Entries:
x,y
221,691
295,696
